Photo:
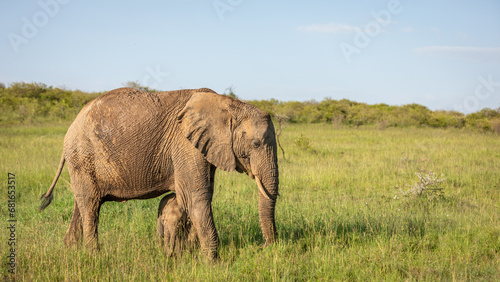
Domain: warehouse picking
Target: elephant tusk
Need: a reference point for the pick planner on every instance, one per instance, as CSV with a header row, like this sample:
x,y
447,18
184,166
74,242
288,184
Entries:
x,y
262,190
250,174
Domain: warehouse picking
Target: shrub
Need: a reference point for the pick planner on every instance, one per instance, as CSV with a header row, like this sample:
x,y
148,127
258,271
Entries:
x,y
429,185
495,125
304,144
36,102
445,119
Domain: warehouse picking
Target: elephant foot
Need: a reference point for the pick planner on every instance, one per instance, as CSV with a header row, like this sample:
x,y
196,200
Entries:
x,y
72,240
92,245
94,248
71,243
169,252
213,257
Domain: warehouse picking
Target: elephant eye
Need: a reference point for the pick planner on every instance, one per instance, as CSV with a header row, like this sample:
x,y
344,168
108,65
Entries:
x,y
256,143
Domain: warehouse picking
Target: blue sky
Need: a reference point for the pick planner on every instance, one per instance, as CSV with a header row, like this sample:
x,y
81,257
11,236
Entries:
x,y
442,54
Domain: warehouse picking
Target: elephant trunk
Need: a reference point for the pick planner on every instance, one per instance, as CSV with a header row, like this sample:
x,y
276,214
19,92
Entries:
x,y
268,192
264,169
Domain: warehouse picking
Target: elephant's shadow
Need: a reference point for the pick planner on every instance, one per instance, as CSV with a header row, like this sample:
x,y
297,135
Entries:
x,y
289,230
237,229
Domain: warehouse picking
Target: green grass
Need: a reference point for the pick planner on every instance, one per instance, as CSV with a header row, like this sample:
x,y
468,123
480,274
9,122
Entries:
x,y
337,216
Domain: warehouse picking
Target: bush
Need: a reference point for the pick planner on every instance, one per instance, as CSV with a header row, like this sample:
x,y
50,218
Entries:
x,y
36,102
304,144
429,185
445,119
495,125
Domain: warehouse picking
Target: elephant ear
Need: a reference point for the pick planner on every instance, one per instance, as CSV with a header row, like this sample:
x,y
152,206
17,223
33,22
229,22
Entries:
x,y
206,122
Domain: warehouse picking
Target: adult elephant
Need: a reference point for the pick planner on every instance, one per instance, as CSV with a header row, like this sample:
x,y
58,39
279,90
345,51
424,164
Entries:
x,y
129,144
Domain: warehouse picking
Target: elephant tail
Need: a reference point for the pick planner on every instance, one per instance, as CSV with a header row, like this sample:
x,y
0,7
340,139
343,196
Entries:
x,y
47,197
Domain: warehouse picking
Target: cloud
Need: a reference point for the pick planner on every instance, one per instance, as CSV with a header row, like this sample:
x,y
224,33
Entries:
x,y
478,54
328,28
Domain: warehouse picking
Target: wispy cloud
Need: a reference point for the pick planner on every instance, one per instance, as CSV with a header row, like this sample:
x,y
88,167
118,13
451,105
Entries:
x,y
478,54
328,28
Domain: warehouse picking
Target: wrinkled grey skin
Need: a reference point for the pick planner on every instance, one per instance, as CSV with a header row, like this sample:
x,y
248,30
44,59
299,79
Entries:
x,y
128,144
174,227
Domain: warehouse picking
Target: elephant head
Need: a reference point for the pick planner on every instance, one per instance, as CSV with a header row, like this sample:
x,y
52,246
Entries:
x,y
233,135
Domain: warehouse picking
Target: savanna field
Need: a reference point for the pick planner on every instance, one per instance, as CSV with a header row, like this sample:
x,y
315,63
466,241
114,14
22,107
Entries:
x,y
348,210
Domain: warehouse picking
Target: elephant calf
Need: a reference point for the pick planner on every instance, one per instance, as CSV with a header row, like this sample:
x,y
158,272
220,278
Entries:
x,y
174,227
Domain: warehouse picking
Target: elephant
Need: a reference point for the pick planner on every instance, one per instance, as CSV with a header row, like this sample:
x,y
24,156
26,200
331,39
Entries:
x,y
129,144
174,227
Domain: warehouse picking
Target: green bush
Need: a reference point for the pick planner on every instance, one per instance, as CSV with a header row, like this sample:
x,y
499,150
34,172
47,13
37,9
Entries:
x,y
442,119
304,144
36,102
482,120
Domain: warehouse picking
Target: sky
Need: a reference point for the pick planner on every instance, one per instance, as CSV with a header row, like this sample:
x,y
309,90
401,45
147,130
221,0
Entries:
x,y
442,54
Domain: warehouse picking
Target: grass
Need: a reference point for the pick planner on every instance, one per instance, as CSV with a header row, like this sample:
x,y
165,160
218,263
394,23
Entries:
x,y
339,216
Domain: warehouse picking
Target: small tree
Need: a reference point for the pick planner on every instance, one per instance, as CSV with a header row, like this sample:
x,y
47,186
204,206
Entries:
x,y
138,86
282,119
229,92
429,185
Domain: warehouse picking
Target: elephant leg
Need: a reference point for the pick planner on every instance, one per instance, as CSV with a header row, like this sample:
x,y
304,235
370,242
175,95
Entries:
x,y
172,241
160,230
170,222
160,227
75,229
203,222
191,235
170,234
89,210
194,191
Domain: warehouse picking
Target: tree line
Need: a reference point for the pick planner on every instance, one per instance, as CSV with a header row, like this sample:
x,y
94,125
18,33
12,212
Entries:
x,y
23,103
349,113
